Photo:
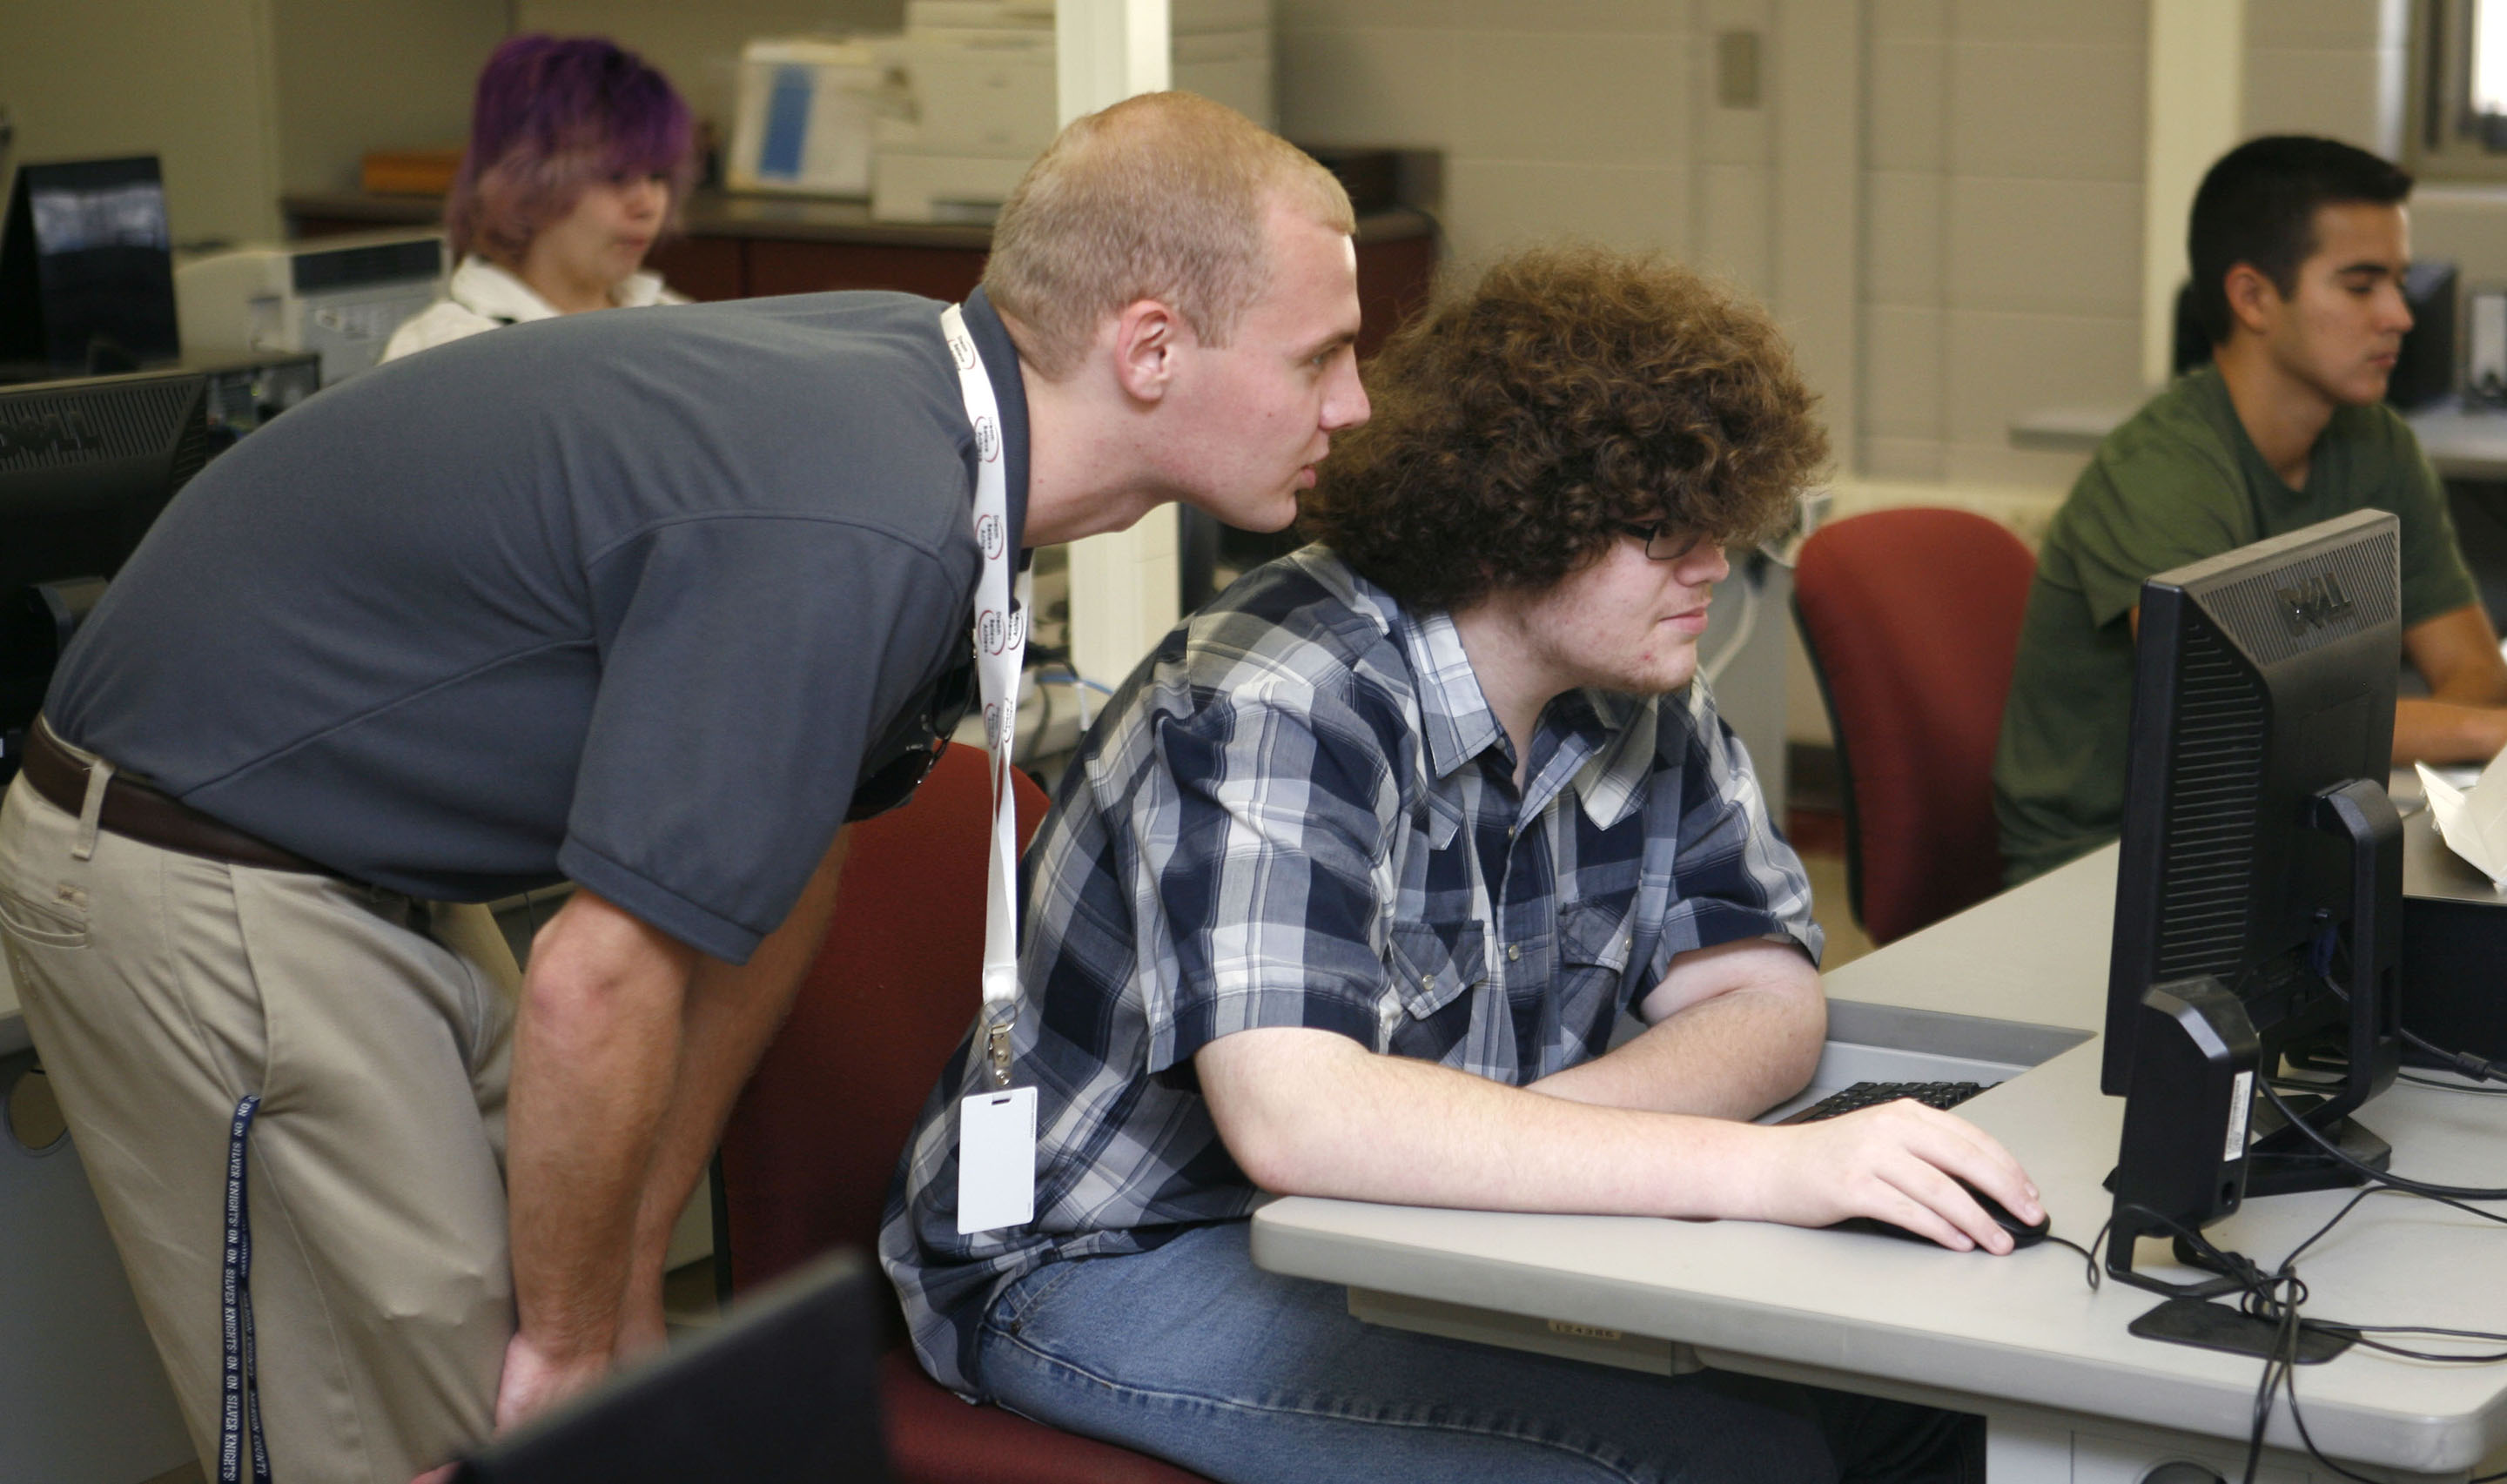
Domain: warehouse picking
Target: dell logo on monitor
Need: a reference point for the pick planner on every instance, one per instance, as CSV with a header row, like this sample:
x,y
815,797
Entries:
x,y
46,433
2313,604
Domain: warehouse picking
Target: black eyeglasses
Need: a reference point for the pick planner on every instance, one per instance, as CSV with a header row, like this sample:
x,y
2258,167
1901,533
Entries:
x,y
1663,541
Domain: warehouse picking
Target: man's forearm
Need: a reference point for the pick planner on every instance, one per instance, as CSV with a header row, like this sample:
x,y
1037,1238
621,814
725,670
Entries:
x,y
1310,1113
2462,720
1645,1128
595,1046
1732,1057
1738,1029
2442,731
731,1014
1286,1103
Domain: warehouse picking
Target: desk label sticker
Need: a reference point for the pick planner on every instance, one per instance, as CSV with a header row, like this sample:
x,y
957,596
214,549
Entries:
x,y
996,1160
2241,1096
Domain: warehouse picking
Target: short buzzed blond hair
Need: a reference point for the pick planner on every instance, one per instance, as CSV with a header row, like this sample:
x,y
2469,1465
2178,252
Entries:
x,y
1160,197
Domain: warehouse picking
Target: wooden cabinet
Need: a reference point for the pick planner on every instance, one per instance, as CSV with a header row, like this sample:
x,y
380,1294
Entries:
x,y
1396,274
809,268
702,268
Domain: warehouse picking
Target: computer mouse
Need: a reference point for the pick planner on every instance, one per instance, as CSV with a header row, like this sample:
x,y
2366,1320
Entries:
x,y
2022,1234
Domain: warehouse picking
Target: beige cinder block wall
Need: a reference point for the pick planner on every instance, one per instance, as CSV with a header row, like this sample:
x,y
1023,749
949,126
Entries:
x,y
1982,260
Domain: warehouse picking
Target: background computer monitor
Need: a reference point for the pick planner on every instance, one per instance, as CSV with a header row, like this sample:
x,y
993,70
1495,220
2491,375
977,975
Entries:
x,y
2259,847
84,467
86,270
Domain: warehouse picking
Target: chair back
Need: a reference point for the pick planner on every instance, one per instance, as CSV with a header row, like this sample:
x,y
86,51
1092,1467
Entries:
x,y
1911,620
815,1136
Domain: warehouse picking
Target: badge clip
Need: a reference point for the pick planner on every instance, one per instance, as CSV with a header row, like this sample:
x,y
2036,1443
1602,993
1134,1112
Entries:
x,y
996,1052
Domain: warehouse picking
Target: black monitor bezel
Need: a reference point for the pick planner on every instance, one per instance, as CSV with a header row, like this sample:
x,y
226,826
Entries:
x,y
86,467
117,448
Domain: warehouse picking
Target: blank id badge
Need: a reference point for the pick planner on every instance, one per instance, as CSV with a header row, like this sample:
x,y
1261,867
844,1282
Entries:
x,y
996,1160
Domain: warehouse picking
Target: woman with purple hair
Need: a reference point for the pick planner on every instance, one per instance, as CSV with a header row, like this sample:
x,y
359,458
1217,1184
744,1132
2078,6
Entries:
x,y
579,157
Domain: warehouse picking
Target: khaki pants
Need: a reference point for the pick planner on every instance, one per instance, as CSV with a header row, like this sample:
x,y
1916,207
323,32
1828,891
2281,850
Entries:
x,y
161,989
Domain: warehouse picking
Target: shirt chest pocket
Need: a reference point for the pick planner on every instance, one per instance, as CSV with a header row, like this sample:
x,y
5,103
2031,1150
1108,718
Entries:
x,y
1433,980
1594,940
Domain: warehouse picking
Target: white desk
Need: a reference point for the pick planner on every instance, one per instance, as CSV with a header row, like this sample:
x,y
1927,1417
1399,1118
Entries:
x,y
2461,444
2068,1395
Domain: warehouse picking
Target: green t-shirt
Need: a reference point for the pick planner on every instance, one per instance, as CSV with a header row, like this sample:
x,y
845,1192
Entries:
x,y
2180,482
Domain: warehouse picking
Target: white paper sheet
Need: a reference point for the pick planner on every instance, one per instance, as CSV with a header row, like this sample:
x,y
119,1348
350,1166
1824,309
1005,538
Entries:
x,y
2473,821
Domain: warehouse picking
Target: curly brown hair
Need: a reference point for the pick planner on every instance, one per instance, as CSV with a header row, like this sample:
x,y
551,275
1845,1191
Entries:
x,y
1522,423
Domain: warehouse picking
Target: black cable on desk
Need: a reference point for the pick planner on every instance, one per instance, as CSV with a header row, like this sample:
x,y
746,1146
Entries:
x,y
2278,1297
2479,1069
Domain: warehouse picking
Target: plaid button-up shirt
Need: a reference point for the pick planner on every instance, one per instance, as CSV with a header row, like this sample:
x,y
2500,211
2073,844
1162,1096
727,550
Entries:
x,y
1300,811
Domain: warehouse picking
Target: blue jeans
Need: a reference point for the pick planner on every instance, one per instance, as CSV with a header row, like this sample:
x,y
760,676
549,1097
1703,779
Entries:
x,y
1192,1353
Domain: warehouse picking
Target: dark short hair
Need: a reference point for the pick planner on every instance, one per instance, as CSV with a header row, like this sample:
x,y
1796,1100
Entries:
x,y
553,115
2257,206
1522,423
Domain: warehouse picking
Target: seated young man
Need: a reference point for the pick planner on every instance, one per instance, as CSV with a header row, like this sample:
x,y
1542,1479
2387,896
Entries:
x,y
1346,893
2299,247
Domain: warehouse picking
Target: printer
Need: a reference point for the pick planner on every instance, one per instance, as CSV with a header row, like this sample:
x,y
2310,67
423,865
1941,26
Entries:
x,y
981,78
803,119
339,298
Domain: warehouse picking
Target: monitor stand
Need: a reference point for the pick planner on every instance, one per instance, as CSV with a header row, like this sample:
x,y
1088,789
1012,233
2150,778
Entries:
x,y
2283,1159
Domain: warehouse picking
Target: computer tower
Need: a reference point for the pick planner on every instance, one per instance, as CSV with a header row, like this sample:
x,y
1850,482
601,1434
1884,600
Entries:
x,y
2455,948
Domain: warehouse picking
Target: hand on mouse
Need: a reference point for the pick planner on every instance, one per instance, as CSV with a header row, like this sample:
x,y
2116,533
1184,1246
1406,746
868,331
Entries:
x,y
1901,1163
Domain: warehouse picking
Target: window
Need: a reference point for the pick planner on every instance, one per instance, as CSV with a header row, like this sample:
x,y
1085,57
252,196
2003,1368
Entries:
x,y
2460,80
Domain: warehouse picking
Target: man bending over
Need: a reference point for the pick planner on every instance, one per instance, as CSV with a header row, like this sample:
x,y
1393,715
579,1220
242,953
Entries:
x,y
1347,890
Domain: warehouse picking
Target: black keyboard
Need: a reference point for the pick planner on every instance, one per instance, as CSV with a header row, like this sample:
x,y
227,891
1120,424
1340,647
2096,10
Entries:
x,y
1863,1095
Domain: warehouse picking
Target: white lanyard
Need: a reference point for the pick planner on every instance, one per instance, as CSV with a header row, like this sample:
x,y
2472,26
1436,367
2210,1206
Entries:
x,y
1001,654
995,1128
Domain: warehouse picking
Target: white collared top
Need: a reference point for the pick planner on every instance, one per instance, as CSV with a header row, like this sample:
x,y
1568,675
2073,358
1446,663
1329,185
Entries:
x,y
483,296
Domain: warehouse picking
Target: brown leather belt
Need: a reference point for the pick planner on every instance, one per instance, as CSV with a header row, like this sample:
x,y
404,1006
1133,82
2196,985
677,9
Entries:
x,y
141,813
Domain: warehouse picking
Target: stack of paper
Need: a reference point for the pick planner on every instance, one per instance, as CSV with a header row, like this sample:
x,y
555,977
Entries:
x,y
2473,821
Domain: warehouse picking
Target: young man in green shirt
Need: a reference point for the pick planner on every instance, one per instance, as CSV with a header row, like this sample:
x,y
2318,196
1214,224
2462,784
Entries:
x,y
2299,247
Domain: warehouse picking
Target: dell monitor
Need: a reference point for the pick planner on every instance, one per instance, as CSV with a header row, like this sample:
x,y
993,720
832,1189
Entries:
x,y
84,467
2261,861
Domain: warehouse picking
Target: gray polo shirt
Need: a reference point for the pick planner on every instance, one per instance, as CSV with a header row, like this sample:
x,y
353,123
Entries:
x,y
621,598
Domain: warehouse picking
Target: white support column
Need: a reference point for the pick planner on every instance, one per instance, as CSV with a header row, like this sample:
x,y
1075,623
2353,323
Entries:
x,y
1123,585
2198,75
1818,212
1106,51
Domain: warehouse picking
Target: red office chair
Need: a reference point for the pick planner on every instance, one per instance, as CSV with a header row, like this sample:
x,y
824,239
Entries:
x,y
1911,619
810,1149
